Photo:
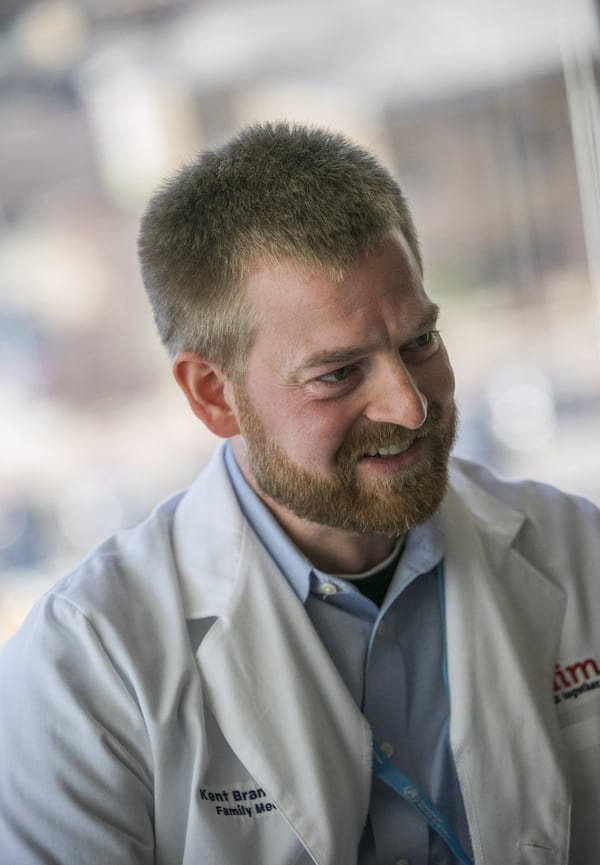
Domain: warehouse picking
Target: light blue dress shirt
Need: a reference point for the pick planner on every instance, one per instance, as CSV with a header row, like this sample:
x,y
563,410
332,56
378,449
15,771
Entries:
x,y
391,659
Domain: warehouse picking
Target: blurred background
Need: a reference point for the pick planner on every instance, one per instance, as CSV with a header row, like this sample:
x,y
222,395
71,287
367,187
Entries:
x,y
488,114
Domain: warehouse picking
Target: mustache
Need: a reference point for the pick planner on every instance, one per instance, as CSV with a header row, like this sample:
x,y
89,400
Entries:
x,y
381,435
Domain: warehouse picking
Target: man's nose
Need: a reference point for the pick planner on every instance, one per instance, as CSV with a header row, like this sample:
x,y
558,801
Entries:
x,y
396,398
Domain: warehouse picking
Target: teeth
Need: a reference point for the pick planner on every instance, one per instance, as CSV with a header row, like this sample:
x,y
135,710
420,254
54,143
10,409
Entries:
x,y
391,451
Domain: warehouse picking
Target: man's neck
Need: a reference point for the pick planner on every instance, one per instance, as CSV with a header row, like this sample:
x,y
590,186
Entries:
x,y
332,550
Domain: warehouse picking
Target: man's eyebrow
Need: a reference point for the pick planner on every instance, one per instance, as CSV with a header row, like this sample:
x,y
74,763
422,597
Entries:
x,y
340,356
429,319
345,355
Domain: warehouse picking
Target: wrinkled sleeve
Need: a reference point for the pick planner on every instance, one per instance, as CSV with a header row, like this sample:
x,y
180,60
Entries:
x,y
75,770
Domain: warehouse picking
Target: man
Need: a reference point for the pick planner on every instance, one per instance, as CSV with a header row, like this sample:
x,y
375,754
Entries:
x,y
324,651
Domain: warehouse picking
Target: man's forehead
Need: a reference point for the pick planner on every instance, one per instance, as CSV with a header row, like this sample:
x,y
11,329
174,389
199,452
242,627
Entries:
x,y
302,311
292,276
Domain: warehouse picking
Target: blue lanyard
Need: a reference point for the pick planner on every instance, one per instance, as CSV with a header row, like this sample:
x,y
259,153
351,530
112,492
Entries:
x,y
403,786
384,769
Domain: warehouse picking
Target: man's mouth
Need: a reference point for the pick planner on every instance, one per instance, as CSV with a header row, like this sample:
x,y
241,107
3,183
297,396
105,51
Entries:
x,y
389,451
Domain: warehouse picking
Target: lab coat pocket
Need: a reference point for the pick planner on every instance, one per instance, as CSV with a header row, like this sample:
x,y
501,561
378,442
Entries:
x,y
582,740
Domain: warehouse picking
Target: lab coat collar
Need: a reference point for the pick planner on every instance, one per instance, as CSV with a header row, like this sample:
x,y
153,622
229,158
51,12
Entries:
x,y
503,620
268,679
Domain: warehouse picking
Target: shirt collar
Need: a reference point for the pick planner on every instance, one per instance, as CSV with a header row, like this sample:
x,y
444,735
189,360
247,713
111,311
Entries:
x,y
292,563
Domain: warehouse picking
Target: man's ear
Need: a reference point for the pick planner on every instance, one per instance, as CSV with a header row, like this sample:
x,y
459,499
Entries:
x,y
208,391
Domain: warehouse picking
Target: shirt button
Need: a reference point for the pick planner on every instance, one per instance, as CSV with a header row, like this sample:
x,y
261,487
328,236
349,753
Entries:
x,y
403,862
381,630
327,589
387,748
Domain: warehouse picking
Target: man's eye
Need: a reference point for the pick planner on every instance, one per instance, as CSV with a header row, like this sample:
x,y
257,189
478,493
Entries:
x,y
425,340
337,375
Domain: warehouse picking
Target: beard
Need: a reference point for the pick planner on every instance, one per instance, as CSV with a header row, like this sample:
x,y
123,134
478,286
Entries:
x,y
387,507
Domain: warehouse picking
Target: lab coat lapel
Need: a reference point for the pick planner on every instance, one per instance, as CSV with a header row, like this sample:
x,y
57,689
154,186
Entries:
x,y
503,620
285,711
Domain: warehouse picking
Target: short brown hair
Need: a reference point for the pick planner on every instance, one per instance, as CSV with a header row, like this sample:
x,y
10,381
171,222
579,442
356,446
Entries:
x,y
273,192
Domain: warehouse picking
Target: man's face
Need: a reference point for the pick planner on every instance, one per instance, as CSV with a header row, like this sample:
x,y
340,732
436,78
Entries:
x,y
347,410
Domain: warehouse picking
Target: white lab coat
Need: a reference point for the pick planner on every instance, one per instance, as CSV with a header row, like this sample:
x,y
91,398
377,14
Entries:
x,y
119,745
